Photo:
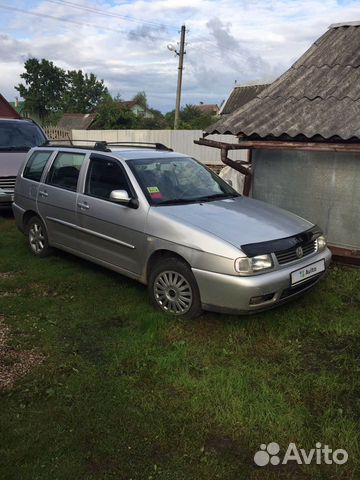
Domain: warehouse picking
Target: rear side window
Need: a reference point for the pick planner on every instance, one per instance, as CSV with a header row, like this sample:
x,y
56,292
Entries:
x,y
65,170
35,165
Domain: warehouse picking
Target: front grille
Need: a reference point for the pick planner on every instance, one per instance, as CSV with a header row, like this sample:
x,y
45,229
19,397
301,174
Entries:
x,y
289,255
7,183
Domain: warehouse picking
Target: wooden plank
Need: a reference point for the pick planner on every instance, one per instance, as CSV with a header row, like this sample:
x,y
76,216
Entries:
x,y
276,145
345,255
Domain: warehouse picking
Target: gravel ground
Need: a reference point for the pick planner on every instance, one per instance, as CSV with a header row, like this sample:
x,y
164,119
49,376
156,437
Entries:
x,y
14,364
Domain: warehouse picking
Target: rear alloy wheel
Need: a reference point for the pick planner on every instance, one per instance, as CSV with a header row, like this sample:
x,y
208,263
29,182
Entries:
x,y
37,238
173,289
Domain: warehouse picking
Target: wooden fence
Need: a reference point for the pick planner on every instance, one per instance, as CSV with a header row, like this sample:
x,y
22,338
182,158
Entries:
x,y
56,133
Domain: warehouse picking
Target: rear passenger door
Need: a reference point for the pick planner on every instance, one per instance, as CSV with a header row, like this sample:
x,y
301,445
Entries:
x,y
57,196
28,183
111,232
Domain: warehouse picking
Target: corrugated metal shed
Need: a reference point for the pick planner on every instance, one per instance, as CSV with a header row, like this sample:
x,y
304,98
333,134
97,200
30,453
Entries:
x,y
240,95
318,97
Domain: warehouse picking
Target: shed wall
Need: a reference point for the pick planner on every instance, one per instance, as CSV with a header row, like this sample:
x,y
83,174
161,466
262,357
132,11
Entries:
x,y
323,187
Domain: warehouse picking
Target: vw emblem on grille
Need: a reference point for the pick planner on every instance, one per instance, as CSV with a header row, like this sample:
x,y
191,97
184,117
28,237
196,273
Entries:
x,y
299,252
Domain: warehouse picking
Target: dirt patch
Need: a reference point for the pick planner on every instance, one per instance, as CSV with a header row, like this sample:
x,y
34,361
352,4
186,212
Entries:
x,y
14,293
6,275
14,364
237,451
325,352
220,445
174,332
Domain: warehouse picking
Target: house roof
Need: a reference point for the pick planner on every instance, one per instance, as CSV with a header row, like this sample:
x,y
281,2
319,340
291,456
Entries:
x,y
76,121
18,106
129,103
208,107
317,98
240,95
6,110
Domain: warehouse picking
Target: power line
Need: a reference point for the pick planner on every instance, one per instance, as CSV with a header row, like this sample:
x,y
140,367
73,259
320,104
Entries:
x,y
109,14
44,15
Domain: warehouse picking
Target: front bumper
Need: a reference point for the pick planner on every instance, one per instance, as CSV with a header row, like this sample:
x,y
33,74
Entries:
x,y
232,293
6,198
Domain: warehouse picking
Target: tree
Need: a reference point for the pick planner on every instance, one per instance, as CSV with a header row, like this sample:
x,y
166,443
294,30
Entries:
x,y
49,89
44,87
140,99
155,121
113,115
83,92
191,118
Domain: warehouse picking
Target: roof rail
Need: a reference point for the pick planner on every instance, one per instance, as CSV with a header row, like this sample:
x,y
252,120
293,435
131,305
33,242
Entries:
x,y
156,145
97,145
104,146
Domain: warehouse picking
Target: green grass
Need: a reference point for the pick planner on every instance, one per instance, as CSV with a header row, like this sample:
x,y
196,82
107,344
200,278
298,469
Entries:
x,y
124,392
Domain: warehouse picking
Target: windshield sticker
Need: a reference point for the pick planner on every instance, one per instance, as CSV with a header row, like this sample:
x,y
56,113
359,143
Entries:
x,y
156,196
153,190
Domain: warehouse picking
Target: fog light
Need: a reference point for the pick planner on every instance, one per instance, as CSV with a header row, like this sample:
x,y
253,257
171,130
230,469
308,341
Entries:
x,y
261,299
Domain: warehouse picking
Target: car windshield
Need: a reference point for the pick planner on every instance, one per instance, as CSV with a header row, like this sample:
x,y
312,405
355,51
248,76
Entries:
x,y
20,135
171,181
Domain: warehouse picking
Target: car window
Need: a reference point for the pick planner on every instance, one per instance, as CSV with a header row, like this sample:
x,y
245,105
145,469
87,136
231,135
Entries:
x,y
35,165
178,180
103,177
65,170
20,135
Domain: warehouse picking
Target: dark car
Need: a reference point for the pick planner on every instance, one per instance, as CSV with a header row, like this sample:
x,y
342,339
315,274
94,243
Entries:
x,y
17,136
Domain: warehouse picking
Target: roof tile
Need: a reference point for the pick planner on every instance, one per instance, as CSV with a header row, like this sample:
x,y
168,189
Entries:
x,y
318,95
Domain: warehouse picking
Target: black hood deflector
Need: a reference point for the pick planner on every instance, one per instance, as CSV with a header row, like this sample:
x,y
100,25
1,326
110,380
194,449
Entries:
x,y
283,244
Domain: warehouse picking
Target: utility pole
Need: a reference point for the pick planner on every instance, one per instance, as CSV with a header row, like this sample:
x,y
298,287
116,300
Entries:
x,y
179,82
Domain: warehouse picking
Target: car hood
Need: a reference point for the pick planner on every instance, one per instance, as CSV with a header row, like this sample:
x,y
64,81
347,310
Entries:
x,y
10,163
238,221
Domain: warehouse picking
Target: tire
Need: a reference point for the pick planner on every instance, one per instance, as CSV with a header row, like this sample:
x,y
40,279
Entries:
x,y
37,237
173,289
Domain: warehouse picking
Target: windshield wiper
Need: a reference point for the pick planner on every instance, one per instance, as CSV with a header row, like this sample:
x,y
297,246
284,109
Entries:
x,y
179,201
176,201
216,196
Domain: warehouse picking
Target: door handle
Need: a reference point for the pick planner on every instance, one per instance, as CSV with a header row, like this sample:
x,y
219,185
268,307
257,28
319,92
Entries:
x,y
43,193
83,206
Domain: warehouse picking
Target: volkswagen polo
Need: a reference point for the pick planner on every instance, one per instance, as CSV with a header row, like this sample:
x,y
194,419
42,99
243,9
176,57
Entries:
x,y
166,220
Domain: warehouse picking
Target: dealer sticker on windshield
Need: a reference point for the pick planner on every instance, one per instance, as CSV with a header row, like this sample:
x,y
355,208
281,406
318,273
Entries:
x,y
307,272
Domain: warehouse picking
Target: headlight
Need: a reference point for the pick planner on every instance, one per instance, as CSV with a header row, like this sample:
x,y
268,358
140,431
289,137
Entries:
x,y
321,243
248,265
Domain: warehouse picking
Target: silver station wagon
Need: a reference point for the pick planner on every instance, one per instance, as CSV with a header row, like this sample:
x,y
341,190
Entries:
x,y
166,220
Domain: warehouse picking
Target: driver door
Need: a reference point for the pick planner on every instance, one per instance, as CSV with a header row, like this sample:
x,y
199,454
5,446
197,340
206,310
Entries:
x,y
110,232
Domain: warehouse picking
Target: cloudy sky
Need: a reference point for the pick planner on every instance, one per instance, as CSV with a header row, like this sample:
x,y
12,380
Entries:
x,y
124,42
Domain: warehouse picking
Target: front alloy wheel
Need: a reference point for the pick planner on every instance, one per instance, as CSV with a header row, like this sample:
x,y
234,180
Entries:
x,y
173,292
173,288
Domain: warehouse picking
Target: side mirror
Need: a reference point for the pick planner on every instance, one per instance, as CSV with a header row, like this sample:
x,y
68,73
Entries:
x,y
120,196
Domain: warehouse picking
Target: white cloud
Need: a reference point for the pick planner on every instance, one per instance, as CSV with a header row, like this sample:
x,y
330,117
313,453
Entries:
x,y
227,40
